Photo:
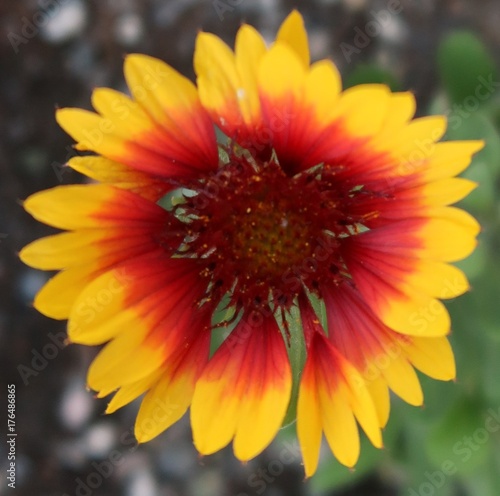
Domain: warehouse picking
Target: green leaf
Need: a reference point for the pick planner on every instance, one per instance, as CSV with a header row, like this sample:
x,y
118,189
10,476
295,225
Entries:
x,y
485,166
297,356
483,481
413,453
171,199
476,313
478,125
490,367
474,265
221,329
461,437
438,398
466,69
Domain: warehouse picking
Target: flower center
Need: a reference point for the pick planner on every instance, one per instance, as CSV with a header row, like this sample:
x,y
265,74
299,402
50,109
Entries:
x,y
260,233
271,236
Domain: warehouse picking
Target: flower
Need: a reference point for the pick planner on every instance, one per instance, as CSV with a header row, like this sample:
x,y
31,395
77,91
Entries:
x,y
314,198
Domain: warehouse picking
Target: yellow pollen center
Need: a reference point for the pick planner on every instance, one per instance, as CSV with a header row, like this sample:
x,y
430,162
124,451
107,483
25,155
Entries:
x,y
269,239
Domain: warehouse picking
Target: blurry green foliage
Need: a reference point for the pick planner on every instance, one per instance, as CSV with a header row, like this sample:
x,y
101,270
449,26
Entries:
x,y
463,61
371,73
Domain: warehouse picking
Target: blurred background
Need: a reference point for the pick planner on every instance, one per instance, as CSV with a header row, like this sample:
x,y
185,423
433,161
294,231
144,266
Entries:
x,y
53,53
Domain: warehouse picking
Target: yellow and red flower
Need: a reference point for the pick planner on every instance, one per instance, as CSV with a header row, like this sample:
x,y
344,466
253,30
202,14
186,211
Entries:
x,y
313,194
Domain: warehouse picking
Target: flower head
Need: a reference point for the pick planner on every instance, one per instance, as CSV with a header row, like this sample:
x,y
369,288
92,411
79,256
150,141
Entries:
x,y
312,196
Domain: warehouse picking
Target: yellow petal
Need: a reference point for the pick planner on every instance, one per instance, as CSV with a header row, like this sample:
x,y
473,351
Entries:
x,y
62,250
249,50
362,406
449,235
309,426
293,33
105,170
415,142
243,392
450,158
403,380
339,425
401,108
127,394
127,116
416,315
126,359
260,419
69,207
212,432
380,394
161,91
57,297
217,77
172,101
433,356
92,132
438,279
442,192
102,169
362,109
92,323
99,313
163,405
322,89
281,75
